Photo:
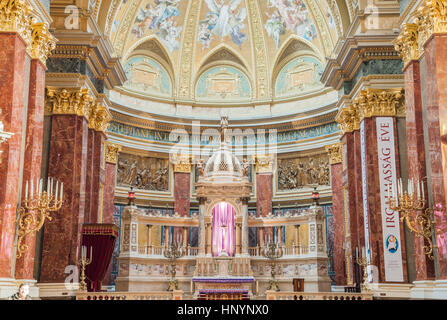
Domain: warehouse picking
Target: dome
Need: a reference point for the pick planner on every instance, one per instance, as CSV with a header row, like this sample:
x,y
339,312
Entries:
x,y
179,54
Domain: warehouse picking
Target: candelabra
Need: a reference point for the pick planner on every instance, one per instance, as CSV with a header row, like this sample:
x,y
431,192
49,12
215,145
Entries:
x,y
174,251
84,262
405,203
362,262
36,208
272,252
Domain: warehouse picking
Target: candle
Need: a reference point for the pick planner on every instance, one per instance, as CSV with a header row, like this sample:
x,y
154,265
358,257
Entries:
x,y
419,188
77,254
32,188
91,252
423,192
363,252
57,186
48,185
62,191
40,187
26,190
51,187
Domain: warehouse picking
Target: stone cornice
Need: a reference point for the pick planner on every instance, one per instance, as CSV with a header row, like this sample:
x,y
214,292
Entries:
x,y
334,153
353,53
77,101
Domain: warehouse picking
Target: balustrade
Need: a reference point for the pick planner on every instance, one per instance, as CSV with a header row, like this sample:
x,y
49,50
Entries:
x,y
153,295
158,251
291,295
288,251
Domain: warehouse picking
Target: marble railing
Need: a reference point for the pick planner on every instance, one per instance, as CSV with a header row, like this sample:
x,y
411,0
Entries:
x,y
287,251
290,295
153,295
158,251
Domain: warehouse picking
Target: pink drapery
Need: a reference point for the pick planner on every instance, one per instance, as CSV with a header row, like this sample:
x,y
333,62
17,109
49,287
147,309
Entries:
x,y
223,215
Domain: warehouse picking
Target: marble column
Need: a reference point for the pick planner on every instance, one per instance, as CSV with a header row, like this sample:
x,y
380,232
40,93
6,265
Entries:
x,y
201,230
238,238
12,100
112,151
244,237
338,212
72,111
425,269
434,104
33,155
182,186
264,187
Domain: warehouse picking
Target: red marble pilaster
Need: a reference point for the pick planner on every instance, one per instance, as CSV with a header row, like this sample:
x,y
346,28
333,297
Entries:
x,y
264,195
89,176
374,200
350,208
98,181
33,156
12,74
67,163
109,192
425,269
436,110
339,229
182,186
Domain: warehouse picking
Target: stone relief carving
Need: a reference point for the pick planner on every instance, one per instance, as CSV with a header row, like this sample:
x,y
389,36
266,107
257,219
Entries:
x,y
299,172
143,172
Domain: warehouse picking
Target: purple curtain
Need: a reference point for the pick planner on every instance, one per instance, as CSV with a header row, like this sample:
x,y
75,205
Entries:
x,y
223,229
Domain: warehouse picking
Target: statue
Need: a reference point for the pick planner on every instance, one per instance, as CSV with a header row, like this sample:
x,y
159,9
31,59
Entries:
x,y
22,293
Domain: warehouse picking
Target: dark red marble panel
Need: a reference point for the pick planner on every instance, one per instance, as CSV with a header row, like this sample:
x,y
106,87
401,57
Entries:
x,y
181,196
264,195
33,155
12,73
436,109
67,163
416,156
109,192
98,176
339,219
89,176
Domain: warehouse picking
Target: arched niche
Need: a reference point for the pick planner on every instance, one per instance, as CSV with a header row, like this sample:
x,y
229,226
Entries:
x,y
223,229
298,76
147,76
223,83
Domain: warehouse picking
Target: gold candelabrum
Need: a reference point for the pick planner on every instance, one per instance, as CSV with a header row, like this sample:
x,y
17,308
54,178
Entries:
x,y
409,201
174,251
272,251
362,262
83,263
36,208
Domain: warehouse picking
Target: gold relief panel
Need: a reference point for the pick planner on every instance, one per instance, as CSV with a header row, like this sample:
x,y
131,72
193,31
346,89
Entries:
x,y
181,162
299,172
145,173
112,151
264,163
334,151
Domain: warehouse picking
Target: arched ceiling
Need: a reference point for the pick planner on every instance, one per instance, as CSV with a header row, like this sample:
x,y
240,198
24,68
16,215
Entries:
x,y
256,39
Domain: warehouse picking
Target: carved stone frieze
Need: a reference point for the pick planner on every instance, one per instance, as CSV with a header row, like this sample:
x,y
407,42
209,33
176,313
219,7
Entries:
x,y
299,172
145,173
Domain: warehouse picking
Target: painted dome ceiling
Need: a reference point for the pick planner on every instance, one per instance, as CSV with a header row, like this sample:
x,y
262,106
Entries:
x,y
224,51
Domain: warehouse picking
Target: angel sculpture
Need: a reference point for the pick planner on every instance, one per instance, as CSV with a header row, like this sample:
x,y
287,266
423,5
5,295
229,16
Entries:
x,y
226,21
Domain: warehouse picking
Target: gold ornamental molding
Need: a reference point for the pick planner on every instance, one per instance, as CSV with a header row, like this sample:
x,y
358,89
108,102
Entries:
x,y
181,163
371,103
15,16
431,18
43,42
334,151
264,163
407,43
348,118
380,103
112,152
77,101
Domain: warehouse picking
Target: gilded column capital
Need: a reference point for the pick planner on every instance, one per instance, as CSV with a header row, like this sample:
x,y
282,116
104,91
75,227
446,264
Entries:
x,y
43,42
264,163
407,43
112,151
431,18
348,118
181,162
380,103
100,117
334,151
15,16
